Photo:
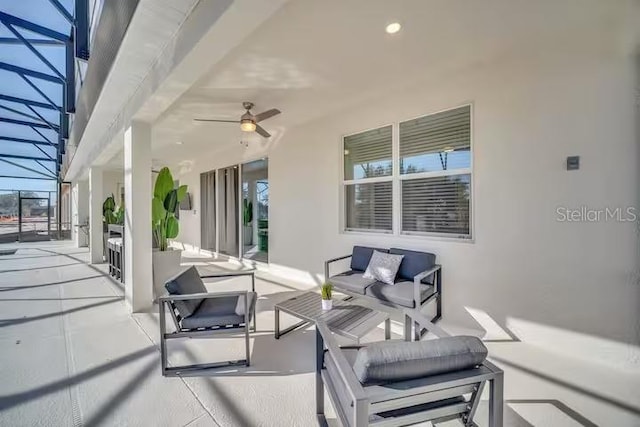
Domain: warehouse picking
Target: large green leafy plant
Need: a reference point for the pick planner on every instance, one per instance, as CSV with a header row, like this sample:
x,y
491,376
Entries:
x,y
164,204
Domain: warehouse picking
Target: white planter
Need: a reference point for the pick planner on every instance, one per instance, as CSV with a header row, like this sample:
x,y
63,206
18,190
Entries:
x,y
247,235
166,264
327,304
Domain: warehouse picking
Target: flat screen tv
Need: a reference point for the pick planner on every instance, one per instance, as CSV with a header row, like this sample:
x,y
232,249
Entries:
x,y
185,204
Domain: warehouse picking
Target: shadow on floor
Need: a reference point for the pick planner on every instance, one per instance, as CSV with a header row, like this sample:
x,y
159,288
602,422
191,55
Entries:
x,y
11,400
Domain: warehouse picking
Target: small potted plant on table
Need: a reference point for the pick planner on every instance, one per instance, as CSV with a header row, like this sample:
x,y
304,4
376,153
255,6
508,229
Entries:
x,y
327,302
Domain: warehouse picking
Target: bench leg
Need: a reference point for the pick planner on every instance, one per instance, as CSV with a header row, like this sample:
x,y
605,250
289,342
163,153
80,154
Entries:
x,y
387,329
496,401
407,327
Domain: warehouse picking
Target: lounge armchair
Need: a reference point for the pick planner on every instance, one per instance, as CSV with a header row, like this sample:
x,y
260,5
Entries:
x,y
375,386
418,283
197,313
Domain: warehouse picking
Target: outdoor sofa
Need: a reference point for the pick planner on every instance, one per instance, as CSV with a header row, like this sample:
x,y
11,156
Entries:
x,y
417,284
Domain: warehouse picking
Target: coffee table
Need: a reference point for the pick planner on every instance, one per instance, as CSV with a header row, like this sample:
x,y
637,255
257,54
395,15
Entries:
x,y
346,318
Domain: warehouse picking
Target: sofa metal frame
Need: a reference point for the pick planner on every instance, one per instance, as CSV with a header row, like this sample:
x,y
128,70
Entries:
x,y
408,393
436,270
168,301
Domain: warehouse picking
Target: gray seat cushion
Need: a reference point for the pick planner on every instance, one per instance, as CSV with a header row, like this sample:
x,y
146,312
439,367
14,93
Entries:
x,y
346,402
414,263
351,281
384,362
361,256
187,282
220,311
400,294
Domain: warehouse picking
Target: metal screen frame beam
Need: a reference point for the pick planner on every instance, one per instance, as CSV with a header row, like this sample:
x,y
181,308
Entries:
x,y
30,124
26,141
31,102
21,157
31,73
34,28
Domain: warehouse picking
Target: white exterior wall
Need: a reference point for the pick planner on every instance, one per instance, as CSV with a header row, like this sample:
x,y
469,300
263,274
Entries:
x,y
530,113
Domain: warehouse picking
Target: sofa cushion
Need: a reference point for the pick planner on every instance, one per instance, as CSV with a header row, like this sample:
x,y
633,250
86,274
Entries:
x,y
187,282
391,361
400,294
383,267
352,281
361,256
414,263
220,311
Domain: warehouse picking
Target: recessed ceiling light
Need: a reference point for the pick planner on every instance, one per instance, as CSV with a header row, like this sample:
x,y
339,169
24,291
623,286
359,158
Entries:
x,y
179,142
393,28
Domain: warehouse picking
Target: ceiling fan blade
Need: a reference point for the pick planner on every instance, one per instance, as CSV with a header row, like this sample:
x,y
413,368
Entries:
x,y
218,121
260,130
266,114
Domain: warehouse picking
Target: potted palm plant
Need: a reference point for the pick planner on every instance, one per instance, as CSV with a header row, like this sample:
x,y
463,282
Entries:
x,y
165,226
325,291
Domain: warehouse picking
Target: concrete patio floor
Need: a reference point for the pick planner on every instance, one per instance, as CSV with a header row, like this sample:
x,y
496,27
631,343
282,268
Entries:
x,y
72,355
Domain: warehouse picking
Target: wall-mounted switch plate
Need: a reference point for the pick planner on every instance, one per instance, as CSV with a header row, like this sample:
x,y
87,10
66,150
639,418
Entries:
x,y
573,163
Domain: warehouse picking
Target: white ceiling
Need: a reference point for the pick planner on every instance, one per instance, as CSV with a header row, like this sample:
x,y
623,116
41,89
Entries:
x,y
313,58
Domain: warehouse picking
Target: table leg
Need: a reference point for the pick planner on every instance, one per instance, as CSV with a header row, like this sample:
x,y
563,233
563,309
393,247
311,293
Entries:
x,y
277,325
387,329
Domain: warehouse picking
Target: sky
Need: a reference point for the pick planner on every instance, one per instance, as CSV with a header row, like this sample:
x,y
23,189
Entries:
x,y
43,13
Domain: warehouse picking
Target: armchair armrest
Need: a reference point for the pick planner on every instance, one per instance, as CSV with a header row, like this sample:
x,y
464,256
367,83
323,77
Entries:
x,y
420,276
345,371
329,262
251,273
416,283
208,295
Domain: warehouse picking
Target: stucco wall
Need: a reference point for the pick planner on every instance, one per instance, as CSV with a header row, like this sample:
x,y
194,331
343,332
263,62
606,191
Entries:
x,y
530,111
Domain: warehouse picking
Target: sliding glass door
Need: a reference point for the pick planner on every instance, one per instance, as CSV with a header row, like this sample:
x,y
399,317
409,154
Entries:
x,y
208,211
234,211
255,211
228,212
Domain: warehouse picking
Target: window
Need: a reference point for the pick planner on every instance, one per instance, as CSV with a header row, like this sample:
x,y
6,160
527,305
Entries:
x,y
368,168
433,176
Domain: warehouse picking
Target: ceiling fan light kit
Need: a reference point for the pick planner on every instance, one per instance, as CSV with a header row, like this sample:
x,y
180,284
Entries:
x,y
248,121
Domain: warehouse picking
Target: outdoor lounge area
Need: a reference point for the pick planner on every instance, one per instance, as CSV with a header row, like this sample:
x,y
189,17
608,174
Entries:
x,y
320,213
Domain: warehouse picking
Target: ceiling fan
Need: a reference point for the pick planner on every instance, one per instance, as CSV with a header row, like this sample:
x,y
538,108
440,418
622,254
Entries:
x,y
248,121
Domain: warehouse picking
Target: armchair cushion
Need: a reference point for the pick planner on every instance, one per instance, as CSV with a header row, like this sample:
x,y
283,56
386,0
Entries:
x,y
352,281
414,263
400,294
361,256
220,311
391,361
186,283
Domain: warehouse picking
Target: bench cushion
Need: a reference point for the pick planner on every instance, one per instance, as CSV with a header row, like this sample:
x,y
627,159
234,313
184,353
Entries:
x,y
187,282
401,293
361,256
391,361
414,263
220,311
351,281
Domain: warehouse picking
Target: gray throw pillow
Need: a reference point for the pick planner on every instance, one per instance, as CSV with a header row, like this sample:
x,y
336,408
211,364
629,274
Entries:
x,y
390,361
383,267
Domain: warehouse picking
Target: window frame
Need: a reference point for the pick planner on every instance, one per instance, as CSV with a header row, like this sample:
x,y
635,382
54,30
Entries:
x,y
346,182
397,179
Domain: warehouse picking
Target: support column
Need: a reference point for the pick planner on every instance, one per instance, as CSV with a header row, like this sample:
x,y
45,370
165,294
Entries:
x,y
138,278
80,213
96,245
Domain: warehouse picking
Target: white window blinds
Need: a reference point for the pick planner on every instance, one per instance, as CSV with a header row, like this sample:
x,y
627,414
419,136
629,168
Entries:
x,y
427,160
